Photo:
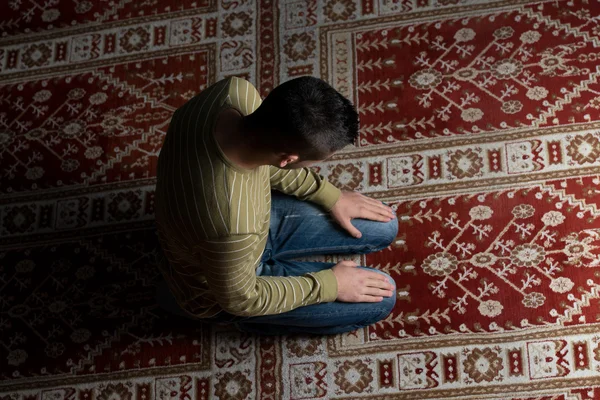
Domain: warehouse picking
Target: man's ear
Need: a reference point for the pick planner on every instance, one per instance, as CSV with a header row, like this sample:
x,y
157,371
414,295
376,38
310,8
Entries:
x,y
286,159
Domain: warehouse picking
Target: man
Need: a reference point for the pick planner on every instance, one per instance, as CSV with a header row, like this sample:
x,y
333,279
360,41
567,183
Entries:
x,y
229,243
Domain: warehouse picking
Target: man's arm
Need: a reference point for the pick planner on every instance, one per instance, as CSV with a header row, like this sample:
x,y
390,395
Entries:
x,y
230,270
305,184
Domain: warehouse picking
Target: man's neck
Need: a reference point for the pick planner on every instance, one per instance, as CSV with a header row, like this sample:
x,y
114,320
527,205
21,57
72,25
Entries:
x,y
235,142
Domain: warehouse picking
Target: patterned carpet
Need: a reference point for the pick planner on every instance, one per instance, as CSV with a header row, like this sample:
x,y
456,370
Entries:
x,y
480,124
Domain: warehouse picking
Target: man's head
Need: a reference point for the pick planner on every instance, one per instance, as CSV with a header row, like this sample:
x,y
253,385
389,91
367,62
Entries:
x,y
303,120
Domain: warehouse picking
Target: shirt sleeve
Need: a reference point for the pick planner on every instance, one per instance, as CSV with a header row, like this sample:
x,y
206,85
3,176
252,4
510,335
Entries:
x,y
305,184
230,271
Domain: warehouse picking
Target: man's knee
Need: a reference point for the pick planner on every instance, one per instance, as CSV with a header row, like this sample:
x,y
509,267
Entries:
x,y
381,234
390,231
382,309
386,306
390,302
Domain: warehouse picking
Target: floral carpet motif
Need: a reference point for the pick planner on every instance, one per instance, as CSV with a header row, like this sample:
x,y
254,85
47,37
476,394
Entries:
x,y
480,126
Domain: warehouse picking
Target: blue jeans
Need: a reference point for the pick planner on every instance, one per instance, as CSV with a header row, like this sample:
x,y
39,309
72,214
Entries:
x,y
302,229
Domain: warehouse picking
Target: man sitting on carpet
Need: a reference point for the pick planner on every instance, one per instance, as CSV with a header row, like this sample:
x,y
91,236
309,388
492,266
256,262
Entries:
x,y
229,243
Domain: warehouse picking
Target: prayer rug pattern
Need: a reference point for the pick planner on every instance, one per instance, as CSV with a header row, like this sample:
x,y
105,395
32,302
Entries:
x,y
480,126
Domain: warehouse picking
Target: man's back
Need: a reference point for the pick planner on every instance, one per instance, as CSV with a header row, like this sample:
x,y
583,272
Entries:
x,y
198,186
200,195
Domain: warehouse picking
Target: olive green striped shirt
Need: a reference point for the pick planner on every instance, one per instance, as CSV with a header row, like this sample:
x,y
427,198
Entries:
x,y
213,216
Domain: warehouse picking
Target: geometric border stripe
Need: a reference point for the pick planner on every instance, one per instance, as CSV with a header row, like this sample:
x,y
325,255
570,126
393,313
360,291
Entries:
x,y
352,152
485,390
477,186
336,346
6,79
98,26
75,190
74,214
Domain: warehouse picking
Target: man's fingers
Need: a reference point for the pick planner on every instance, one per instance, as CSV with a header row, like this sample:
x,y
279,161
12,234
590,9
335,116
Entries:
x,y
379,209
380,283
370,299
347,225
379,204
371,291
376,203
375,216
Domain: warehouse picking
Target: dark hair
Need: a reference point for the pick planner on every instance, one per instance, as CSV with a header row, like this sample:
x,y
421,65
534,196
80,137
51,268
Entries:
x,y
306,116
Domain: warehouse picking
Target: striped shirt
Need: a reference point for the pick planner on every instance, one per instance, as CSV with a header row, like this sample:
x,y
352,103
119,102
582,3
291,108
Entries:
x,y
213,216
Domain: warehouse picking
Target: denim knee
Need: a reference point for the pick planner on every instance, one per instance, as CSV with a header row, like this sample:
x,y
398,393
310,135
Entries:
x,y
390,231
386,306
380,310
383,234
390,302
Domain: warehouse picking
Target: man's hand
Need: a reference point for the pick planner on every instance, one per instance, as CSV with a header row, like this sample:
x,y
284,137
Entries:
x,y
355,205
356,285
